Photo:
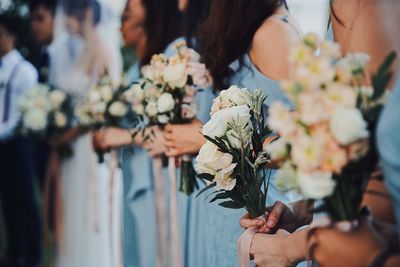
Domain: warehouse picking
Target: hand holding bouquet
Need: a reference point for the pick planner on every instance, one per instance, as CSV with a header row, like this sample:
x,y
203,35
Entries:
x,y
105,106
169,96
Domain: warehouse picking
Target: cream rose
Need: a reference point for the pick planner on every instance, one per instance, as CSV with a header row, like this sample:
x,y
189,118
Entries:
x,y
165,103
224,180
60,119
118,109
106,93
151,109
175,75
35,120
210,159
217,126
316,185
347,125
57,98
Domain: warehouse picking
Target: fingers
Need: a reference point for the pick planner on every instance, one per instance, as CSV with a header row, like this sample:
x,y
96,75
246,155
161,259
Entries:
x,y
275,214
247,222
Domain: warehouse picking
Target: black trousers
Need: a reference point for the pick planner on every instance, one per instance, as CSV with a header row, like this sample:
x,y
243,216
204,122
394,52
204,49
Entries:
x,y
20,211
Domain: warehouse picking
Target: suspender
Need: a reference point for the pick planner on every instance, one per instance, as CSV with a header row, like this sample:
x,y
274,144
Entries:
x,y
7,96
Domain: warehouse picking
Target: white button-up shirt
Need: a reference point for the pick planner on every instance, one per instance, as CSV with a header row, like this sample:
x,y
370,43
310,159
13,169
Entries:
x,y
21,76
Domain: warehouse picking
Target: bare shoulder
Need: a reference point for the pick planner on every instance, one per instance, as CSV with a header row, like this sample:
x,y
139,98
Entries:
x,y
271,45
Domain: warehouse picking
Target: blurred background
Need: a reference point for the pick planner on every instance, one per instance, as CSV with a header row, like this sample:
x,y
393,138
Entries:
x,y
311,14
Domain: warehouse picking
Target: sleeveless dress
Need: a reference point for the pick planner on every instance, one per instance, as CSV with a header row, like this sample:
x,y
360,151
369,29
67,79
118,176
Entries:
x,y
89,230
388,142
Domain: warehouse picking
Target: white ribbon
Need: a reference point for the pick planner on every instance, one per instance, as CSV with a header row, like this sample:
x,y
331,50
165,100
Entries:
x,y
174,213
244,244
161,213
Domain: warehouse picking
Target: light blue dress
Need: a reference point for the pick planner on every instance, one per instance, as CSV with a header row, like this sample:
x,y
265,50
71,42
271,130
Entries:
x,y
138,203
192,211
388,141
223,224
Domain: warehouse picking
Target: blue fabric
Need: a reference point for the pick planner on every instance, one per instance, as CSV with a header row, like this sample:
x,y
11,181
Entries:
x,y
388,141
138,205
223,229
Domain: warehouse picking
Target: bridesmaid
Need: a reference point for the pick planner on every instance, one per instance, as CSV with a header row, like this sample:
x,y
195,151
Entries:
x,y
247,46
160,19
187,139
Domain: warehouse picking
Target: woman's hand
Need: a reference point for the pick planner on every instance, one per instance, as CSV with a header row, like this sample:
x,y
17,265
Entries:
x,y
281,216
183,139
154,142
112,137
358,248
280,250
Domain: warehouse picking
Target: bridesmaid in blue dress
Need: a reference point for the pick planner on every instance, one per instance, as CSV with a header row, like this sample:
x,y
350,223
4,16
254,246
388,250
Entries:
x,y
191,210
245,43
140,240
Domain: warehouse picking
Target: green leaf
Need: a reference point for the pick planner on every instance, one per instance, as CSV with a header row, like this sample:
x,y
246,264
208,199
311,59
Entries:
x,y
230,205
381,78
206,188
222,195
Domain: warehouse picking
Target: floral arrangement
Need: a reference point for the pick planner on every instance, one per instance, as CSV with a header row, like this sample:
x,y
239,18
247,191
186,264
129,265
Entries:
x,y
45,112
326,145
168,95
105,106
232,160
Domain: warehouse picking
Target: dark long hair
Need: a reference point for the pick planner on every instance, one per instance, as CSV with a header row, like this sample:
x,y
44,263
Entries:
x,y
193,17
228,32
162,25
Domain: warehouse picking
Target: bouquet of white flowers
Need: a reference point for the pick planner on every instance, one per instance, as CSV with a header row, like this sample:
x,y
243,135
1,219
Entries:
x,y
326,145
232,160
45,112
105,106
168,95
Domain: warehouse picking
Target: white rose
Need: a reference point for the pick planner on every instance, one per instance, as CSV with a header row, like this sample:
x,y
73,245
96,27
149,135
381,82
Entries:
x,y
163,119
118,109
210,159
316,185
106,93
60,119
236,95
35,120
347,125
224,180
57,98
99,107
278,149
165,103
151,109
138,109
94,95
217,126
137,92
175,75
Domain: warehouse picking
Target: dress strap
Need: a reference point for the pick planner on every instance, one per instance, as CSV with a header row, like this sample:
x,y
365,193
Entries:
x,y
285,19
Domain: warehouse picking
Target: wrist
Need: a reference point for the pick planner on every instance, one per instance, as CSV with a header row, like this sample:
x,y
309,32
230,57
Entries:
x,y
296,246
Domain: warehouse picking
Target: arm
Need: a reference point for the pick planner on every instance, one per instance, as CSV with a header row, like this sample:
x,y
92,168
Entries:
x,y
24,80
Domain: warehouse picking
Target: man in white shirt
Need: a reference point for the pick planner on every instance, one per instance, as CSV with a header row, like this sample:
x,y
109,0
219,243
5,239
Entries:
x,y
20,212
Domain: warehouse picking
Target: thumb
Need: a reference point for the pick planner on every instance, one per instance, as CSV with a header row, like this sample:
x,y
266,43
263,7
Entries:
x,y
275,214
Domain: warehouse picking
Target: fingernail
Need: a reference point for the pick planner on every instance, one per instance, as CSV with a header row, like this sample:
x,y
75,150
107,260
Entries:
x,y
260,223
271,223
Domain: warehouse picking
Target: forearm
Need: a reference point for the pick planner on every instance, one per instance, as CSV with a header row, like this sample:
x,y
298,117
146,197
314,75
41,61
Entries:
x,y
297,246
